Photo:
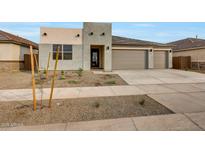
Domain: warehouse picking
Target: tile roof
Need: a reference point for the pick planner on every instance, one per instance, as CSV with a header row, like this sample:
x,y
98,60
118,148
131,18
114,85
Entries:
x,y
8,37
188,43
117,40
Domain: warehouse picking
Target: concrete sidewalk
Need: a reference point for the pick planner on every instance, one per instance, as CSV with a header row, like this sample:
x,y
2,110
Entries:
x,y
174,122
63,93
81,92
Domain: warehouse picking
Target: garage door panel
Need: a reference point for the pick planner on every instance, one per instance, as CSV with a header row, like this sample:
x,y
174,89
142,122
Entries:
x,y
160,59
128,59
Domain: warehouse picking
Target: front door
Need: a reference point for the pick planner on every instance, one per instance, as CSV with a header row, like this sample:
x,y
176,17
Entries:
x,y
94,58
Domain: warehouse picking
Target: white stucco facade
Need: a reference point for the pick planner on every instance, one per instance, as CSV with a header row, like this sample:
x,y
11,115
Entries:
x,y
96,35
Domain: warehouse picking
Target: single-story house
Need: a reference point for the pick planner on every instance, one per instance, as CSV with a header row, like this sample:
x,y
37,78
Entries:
x,y
94,47
193,47
12,50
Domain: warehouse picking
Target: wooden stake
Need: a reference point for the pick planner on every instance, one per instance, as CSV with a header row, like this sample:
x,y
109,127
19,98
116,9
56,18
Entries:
x,y
39,76
33,79
49,55
54,75
36,64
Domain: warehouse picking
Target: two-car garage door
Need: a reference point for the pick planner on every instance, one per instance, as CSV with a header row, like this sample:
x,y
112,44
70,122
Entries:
x,y
137,59
129,59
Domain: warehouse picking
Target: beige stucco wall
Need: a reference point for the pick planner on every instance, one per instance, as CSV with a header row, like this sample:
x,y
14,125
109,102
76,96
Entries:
x,y
82,46
73,64
61,36
12,56
97,39
13,52
197,55
10,52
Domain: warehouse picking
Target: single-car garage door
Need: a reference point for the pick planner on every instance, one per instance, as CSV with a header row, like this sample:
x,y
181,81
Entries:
x,y
160,59
128,59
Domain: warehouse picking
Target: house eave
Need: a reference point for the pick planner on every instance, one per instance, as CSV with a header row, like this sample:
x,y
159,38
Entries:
x,y
187,49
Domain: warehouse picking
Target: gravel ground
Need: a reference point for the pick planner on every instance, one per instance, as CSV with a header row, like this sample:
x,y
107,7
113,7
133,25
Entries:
x,y
81,109
20,80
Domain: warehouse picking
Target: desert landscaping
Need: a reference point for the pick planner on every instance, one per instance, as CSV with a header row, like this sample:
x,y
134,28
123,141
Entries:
x,y
22,79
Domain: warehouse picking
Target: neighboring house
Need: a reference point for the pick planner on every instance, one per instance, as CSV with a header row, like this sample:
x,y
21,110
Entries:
x,y
94,47
193,47
12,50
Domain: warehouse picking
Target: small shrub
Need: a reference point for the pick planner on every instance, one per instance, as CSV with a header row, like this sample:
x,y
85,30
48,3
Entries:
x,y
80,72
73,82
110,82
44,71
142,102
37,81
98,84
43,75
96,105
108,76
62,75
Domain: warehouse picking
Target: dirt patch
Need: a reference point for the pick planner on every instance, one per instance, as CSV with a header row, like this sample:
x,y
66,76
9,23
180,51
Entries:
x,y
20,80
81,109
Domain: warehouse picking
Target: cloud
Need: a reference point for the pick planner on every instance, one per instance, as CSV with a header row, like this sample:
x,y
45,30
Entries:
x,y
163,34
24,33
144,25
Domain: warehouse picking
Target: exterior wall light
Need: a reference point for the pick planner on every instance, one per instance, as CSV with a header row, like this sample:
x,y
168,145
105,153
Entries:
x,y
103,34
170,51
44,34
91,33
107,48
78,35
150,50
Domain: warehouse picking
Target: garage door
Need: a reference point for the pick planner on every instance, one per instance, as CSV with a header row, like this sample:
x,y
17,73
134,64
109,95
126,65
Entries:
x,y
160,59
128,59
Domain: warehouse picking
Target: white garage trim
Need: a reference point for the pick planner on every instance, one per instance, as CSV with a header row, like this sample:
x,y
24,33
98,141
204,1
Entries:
x,y
139,48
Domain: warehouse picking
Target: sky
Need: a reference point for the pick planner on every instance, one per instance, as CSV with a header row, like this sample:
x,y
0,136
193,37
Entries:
x,y
162,32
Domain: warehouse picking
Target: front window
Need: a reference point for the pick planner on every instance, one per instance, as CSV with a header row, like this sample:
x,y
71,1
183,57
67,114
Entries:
x,y
65,51
55,48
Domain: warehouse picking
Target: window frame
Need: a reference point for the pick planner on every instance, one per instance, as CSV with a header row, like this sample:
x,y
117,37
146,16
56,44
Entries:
x,y
60,56
68,51
62,52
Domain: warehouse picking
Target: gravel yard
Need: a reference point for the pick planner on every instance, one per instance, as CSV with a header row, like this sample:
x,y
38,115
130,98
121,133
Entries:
x,y
81,109
21,80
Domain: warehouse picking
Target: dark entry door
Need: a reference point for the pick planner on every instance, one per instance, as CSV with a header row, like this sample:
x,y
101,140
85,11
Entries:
x,y
95,58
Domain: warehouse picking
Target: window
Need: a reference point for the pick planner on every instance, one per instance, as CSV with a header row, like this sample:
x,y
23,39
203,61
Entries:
x,y
67,52
55,48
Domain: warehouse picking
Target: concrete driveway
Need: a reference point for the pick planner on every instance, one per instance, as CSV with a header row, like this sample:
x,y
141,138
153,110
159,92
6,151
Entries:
x,y
180,91
160,76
